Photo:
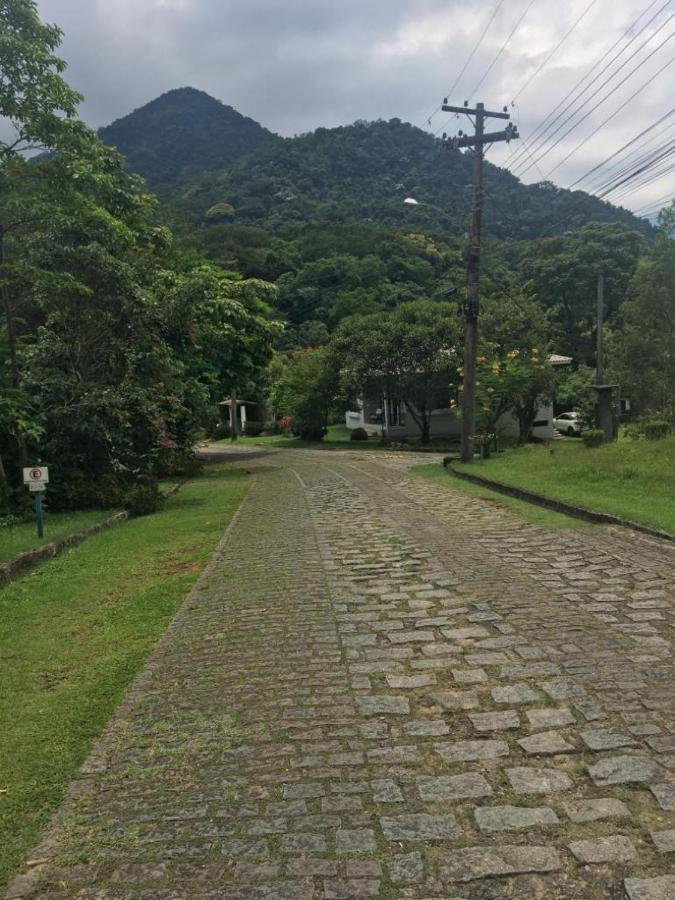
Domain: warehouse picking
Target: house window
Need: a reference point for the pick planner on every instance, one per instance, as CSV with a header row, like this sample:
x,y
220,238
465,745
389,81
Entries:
x,y
395,415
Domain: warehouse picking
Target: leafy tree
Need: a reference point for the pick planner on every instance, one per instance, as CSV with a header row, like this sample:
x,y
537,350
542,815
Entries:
x,y
562,273
409,353
305,390
642,344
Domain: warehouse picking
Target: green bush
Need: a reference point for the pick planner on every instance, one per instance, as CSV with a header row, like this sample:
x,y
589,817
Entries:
x,y
656,428
593,437
650,427
358,434
143,499
253,429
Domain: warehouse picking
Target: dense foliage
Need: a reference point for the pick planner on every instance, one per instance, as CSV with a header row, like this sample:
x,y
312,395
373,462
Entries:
x,y
363,172
115,347
183,134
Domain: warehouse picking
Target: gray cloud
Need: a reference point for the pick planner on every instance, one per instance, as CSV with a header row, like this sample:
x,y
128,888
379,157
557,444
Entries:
x,y
303,63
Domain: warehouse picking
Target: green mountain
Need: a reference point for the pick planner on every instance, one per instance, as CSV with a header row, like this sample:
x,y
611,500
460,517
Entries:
x,y
182,134
363,173
203,157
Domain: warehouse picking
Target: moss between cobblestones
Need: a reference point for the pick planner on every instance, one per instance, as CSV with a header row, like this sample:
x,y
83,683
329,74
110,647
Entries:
x,y
74,633
536,515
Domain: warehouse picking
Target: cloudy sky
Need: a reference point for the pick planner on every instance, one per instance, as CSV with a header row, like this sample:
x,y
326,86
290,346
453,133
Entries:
x,y
298,64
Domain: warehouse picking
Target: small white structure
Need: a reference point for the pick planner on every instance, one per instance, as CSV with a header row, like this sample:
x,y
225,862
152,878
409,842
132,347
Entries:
x,y
391,417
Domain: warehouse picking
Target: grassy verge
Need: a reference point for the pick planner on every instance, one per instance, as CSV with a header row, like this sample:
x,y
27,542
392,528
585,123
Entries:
x,y
75,632
630,478
19,538
536,515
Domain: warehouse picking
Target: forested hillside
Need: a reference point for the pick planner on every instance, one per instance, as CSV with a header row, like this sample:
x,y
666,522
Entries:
x,y
182,133
211,163
363,172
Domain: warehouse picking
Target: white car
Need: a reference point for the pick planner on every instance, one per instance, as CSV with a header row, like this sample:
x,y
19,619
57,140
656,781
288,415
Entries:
x,y
569,423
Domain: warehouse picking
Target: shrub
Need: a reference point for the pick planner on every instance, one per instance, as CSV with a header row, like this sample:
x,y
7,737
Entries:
x,y
253,429
143,499
358,434
650,427
594,437
311,431
656,428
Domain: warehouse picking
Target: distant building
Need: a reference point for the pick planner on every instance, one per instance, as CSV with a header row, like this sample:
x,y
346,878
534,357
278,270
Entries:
x,y
390,416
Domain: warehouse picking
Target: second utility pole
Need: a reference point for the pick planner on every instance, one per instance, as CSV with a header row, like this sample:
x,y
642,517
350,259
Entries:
x,y
471,305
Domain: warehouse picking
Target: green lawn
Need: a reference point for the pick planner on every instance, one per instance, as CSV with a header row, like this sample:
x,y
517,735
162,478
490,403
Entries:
x,y
536,515
631,478
19,538
75,632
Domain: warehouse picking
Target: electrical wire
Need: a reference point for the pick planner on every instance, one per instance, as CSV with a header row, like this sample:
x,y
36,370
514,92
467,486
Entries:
x,y
557,47
543,140
503,47
599,104
610,117
621,149
538,133
496,9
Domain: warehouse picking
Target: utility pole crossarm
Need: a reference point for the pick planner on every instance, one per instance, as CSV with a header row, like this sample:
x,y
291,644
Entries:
x,y
467,140
486,113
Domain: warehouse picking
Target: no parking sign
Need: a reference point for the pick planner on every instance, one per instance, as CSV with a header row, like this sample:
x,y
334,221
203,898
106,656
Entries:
x,y
37,479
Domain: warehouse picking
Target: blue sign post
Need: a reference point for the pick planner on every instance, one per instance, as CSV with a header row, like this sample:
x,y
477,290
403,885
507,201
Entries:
x,y
37,478
39,521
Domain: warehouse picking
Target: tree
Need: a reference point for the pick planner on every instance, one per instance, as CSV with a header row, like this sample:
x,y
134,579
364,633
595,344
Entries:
x,y
38,105
562,274
305,389
409,354
641,347
515,381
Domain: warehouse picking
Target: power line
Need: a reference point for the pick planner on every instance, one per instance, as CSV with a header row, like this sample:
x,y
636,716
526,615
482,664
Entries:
x,y
610,117
644,158
542,140
634,158
502,48
498,6
658,204
621,149
644,166
515,155
597,105
529,80
648,178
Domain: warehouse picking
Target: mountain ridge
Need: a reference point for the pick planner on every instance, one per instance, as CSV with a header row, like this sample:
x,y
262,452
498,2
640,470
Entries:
x,y
202,156
159,138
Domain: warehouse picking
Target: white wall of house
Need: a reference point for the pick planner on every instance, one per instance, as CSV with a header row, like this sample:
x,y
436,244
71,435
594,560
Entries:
x,y
444,422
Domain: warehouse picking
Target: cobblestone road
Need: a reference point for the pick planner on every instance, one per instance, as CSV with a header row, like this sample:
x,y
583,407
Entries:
x,y
384,688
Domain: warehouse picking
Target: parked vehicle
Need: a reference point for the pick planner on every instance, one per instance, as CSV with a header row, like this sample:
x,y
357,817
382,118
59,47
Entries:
x,y
569,423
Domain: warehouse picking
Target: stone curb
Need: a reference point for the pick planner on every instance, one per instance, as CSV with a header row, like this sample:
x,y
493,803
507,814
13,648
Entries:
x,y
23,562
562,506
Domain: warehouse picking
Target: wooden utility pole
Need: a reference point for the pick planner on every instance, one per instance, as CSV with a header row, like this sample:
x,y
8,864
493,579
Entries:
x,y
471,306
600,360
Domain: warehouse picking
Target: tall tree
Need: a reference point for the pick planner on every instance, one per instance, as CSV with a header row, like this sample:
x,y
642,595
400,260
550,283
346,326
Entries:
x,y
409,354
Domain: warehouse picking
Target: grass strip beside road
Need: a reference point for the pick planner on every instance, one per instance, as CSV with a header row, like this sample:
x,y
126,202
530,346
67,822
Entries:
x,y
15,539
75,632
630,478
536,515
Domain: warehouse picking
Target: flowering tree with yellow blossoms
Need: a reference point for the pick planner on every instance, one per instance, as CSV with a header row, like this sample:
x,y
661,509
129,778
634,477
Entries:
x,y
515,382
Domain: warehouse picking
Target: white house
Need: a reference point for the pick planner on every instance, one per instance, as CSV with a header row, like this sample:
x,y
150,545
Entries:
x,y
390,416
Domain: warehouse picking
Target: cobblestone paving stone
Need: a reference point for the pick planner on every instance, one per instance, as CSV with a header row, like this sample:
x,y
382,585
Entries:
x,y
381,687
